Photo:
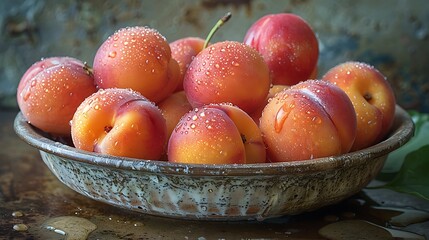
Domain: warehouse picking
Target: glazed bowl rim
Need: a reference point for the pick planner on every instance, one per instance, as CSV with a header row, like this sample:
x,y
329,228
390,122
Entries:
x,y
402,131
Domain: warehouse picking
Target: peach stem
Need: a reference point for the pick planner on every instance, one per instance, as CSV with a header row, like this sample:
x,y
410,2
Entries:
x,y
219,23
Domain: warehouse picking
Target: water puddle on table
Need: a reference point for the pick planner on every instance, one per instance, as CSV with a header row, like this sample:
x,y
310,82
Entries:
x,y
73,228
360,229
355,218
359,220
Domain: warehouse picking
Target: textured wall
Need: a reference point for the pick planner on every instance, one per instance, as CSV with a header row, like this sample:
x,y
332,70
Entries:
x,y
392,35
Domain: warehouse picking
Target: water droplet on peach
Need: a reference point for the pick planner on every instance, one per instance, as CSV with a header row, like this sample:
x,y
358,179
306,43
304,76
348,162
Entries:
x,y
178,126
316,120
112,54
281,116
26,95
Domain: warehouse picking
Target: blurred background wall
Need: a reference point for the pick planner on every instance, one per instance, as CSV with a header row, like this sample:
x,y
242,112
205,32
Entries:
x,y
391,35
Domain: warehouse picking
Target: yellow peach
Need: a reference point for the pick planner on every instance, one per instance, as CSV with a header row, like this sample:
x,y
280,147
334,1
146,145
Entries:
x,y
372,97
119,122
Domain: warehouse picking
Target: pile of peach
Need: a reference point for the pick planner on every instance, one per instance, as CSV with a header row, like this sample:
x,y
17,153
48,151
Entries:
x,y
228,102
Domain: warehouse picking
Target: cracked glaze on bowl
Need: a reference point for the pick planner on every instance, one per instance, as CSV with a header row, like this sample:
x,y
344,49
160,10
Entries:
x,y
216,192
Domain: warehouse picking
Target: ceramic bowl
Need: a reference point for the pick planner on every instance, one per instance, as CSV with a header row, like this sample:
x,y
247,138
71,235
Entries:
x,y
215,192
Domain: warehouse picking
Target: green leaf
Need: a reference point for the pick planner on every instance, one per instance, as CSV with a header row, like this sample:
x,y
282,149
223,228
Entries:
x,y
413,177
421,138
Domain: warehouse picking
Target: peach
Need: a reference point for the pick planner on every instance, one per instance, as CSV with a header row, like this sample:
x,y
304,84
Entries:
x,y
372,97
256,115
120,122
50,91
138,58
184,51
228,72
216,134
309,120
288,45
173,108
250,133
44,63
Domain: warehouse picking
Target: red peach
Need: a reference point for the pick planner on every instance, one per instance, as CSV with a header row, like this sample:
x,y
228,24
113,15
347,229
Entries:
x,y
309,120
228,72
50,91
288,45
184,51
